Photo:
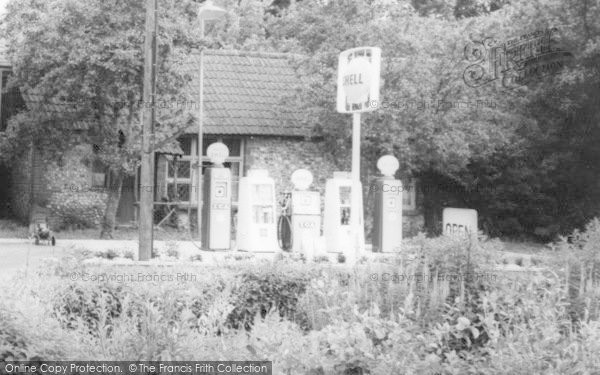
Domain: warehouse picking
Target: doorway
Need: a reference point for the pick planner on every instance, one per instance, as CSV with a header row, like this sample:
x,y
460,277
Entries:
x,y
126,209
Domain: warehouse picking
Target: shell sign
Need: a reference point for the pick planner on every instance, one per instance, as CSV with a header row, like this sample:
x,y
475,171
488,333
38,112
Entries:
x,y
358,80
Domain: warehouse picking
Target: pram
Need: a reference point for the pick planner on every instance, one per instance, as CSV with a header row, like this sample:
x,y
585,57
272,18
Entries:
x,y
41,232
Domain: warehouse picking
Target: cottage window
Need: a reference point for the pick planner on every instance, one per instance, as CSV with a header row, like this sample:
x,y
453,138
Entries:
x,y
179,183
99,171
181,180
409,195
99,174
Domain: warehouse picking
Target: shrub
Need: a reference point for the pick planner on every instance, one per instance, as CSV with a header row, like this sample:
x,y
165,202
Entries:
x,y
239,256
519,261
77,211
109,254
312,318
91,306
290,257
260,292
12,343
535,261
172,249
579,259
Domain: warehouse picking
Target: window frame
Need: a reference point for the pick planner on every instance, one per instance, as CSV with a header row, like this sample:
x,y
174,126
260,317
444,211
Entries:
x,y
193,157
106,172
409,187
180,180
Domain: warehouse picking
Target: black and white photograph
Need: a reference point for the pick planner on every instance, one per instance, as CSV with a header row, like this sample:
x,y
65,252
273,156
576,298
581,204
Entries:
x,y
300,187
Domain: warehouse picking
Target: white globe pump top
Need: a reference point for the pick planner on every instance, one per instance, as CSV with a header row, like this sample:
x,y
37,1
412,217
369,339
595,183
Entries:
x,y
217,152
388,165
302,178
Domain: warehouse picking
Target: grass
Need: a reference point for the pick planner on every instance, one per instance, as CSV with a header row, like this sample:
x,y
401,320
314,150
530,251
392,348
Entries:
x,y
523,247
13,229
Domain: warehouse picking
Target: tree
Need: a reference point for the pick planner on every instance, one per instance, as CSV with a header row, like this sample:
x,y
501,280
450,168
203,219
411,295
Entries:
x,y
428,118
524,157
89,55
551,183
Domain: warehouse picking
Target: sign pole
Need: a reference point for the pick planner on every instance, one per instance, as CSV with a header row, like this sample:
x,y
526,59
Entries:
x,y
356,207
357,91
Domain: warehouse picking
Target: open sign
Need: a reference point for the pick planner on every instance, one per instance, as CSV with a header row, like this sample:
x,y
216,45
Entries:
x,y
459,222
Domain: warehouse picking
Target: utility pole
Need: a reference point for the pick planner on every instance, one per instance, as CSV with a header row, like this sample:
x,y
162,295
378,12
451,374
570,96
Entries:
x,y
148,115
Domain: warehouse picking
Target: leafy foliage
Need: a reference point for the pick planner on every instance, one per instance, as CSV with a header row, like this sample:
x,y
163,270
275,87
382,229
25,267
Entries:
x,y
259,293
525,158
80,67
353,324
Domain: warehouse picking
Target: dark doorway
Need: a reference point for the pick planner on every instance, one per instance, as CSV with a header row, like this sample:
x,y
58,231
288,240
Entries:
x,y
5,212
125,212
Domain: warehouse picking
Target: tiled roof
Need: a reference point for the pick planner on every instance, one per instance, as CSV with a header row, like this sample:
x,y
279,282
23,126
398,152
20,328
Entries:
x,y
244,93
53,108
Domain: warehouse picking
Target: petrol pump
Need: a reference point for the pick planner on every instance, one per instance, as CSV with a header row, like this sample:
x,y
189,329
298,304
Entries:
x,y
256,228
336,226
306,213
216,210
387,214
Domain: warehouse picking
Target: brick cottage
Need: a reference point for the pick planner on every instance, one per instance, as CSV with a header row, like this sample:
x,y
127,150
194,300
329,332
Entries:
x,y
243,93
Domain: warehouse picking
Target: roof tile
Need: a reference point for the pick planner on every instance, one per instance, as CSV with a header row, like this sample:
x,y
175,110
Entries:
x,y
243,94
244,91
